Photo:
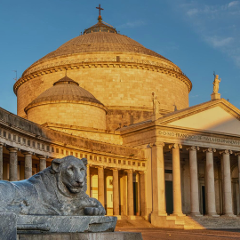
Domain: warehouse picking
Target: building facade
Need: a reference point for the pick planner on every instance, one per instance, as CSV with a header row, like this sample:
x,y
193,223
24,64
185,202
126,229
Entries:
x,y
125,108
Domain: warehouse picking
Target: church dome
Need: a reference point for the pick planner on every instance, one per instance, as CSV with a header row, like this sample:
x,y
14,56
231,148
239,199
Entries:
x,y
67,104
65,90
118,71
100,42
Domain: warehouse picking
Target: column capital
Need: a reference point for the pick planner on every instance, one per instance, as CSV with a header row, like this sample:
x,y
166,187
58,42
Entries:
x,y
27,153
41,156
2,144
141,172
128,170
193,148
162,144
175,145
114,169
210,150
100,167
226,151
12,149
237,154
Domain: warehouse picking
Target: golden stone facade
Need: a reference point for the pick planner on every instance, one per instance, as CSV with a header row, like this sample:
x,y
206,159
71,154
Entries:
x,y
150,156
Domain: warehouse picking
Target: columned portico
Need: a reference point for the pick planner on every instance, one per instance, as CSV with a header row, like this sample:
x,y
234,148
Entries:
x,y
130,192
13,163
194,197
101,184
28,165
115,192
177,195
158,180
227,186
1,161
210,188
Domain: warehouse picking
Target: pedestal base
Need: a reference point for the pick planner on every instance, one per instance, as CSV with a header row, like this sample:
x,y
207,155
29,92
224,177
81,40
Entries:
x,y
83,236
215,96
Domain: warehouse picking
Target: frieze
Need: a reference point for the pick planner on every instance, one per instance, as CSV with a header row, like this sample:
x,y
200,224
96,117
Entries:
x,y
198,137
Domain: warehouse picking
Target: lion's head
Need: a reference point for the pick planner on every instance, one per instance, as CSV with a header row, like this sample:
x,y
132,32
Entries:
x,y
71,174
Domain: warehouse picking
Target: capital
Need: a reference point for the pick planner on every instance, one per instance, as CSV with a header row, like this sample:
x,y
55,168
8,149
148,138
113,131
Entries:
x,y
12,149
27,153
226,152
193,148
41,156
175,145
209,150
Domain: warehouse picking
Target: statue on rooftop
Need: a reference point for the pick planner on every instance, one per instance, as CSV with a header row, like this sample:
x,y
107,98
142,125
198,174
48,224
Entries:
x,y
216,84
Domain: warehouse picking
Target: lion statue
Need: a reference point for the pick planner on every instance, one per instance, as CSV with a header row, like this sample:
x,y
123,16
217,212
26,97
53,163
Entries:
x,y
57,190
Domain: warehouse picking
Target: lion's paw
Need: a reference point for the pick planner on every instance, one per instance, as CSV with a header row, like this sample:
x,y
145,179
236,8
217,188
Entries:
x,y
92,211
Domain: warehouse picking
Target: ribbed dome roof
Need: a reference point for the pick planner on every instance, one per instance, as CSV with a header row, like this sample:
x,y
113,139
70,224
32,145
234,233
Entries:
x,y
100,42
64,90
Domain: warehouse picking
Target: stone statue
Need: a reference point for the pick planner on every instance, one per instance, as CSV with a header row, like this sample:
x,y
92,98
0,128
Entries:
x,y
57,190
216,84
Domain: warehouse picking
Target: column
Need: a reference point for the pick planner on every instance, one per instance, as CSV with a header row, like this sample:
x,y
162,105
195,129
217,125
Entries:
x,y
158,180
88,181
177,195
115,192
1,161
238,154
142,193
28,165
227,184
42,162
194,181
101,192
130,192
210,188
13,164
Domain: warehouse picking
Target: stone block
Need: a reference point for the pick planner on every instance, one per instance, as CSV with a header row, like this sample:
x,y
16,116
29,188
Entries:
x,y
83,236
65,224
8,226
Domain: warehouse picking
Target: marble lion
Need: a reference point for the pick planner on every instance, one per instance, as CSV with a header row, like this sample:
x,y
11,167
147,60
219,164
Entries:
x,y
57,190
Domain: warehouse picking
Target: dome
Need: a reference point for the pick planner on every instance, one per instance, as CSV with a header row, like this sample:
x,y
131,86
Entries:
x,y
100,42
64,90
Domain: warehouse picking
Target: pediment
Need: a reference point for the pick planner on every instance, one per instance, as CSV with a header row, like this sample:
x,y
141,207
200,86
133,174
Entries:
x,y
221,117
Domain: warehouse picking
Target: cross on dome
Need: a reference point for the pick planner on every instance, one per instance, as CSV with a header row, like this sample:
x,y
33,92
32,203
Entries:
x,y
99,8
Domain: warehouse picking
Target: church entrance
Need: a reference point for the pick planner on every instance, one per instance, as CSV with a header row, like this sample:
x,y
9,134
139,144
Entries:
x,y
169,196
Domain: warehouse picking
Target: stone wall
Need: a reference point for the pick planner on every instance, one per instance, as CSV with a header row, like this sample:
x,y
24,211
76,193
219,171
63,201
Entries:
x,y
69,113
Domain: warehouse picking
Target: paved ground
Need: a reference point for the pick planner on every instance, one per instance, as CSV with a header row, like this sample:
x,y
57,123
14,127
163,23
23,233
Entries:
x,y
166,234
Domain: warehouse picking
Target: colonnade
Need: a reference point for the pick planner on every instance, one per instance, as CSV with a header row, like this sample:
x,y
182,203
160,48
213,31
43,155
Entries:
x,y
158,173
13,163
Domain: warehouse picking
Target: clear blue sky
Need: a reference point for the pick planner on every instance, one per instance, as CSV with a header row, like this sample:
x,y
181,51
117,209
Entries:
x,y
199,36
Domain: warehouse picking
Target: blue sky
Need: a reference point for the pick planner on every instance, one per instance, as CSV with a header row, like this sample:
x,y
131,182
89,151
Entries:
x,y
199,36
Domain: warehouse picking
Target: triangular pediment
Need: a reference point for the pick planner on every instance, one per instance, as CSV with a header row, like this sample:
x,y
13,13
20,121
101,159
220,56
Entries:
x,y
218,116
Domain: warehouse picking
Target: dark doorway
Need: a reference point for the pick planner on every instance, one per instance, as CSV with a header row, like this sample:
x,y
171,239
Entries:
x,y
169,196
203,201
135,197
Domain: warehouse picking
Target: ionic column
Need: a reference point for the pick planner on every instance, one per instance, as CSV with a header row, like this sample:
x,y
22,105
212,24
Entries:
x,y
158,180
194,181
227,185
28,165
13,164
130,192
42,162
115,192
176,168
238,155
88,181
101,192
1,161
142,193
210,188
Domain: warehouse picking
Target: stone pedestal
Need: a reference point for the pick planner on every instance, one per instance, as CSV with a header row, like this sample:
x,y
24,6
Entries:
x,y
83,236
215,96
8,226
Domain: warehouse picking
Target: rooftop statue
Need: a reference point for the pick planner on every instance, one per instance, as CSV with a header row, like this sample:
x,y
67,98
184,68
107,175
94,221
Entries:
x,y
216,84
54,200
